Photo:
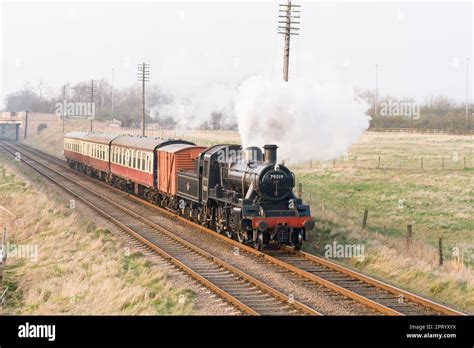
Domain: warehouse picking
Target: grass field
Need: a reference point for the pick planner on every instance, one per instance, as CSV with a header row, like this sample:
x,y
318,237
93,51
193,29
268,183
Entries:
x,y
77,268
426,181
436,202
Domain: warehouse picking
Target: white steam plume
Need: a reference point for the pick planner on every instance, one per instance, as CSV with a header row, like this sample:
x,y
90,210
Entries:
x,y
307,120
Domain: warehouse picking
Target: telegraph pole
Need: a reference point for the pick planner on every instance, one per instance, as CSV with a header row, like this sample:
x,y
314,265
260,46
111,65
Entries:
x,y
288,27
143,76
93,88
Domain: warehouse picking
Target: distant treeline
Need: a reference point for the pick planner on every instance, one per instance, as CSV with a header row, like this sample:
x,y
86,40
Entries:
x,y
127,103
437,112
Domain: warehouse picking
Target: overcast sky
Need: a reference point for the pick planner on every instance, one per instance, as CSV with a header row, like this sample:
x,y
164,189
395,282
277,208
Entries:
x,y
421,48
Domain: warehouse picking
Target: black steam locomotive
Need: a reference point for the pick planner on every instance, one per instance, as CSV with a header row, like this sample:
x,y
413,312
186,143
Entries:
x,y
245,195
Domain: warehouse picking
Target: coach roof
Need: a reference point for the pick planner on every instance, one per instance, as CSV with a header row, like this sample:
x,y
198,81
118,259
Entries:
x,y
76,135
173,148
101,138
145,143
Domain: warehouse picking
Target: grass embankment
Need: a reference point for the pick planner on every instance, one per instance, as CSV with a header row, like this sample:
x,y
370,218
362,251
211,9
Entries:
x,y
80,269
436,203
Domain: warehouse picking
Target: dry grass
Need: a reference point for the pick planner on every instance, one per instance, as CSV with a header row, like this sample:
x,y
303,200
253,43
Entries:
x,y
438,203
80,269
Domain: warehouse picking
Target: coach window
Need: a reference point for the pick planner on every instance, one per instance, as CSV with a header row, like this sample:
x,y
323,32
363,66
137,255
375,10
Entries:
x,y
143,161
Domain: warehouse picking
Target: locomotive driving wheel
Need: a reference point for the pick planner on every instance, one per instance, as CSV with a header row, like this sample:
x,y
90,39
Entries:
x,y
226,232
299,241
258,244
241,236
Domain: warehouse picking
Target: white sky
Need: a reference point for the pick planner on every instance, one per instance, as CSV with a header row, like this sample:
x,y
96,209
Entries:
x,y
421,48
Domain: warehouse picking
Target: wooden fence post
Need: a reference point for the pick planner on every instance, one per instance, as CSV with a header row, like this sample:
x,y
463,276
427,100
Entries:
x,y
421,163
300,190
378,164
442,163
440,247
409,236
364,219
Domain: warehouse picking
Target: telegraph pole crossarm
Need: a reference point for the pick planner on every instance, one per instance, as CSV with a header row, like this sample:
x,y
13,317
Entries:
x,y
288,25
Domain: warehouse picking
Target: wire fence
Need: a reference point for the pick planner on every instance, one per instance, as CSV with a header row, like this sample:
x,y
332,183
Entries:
x,y
414,163
433,131
349,219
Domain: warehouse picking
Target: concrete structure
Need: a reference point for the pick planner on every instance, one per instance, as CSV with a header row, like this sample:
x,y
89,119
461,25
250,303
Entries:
x,y
10,126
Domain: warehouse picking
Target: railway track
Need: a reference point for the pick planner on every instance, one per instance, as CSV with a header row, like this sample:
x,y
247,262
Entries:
x,y
371,293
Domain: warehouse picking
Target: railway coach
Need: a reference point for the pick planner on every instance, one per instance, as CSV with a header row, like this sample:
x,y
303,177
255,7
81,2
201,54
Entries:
x,y
241,193
129,163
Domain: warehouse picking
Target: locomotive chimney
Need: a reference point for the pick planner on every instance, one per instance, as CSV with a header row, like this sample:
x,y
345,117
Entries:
x,y
270,153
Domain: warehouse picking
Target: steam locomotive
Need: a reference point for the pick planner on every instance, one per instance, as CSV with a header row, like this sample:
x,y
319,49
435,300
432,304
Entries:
x,y
241,193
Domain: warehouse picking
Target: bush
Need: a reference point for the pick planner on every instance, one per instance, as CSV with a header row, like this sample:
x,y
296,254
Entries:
x,y
41,126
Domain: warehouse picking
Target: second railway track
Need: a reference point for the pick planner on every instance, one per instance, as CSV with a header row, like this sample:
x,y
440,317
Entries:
x,y
220,276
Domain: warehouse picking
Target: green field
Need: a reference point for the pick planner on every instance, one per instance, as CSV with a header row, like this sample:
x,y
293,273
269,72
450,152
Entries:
x,y
426,181
437,203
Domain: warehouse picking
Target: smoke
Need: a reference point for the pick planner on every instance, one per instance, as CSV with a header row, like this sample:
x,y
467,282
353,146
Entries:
x,y
307,120
191,108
